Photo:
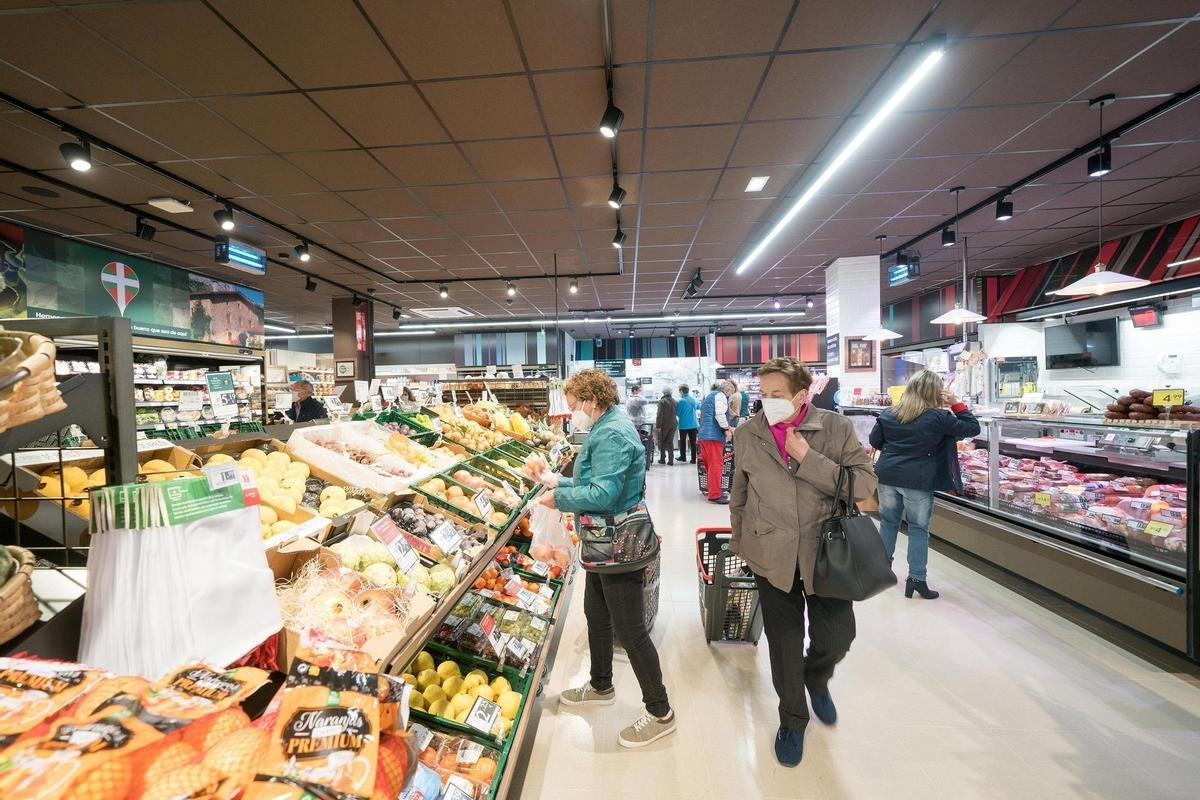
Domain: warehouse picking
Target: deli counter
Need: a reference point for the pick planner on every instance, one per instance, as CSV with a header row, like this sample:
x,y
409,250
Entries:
x,y
1102,514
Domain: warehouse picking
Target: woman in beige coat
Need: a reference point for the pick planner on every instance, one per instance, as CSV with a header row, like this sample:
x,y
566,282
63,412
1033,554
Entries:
x,y
787,458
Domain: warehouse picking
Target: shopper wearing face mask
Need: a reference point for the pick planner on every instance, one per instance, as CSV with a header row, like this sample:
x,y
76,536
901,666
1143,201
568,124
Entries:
x,y
716,428
787,459
610,475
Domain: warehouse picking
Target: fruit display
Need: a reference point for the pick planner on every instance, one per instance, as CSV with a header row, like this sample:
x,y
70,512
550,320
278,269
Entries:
x,y
1137,405
421,522
449,692
366,455
491,630
331,500
447,491
471,435
455,758
494,490
502,585
512,558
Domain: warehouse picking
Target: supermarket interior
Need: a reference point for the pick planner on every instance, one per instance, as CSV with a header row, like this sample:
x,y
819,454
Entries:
x,y
599,399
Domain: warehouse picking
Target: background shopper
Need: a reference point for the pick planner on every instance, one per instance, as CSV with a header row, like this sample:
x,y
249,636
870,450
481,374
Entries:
x,y
635,406
917,439
664,425
735,405
305,407
685,413
716,428
610,474
786,464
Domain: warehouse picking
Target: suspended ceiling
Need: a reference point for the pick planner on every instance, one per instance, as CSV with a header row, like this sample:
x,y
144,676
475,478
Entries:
x,y
458,139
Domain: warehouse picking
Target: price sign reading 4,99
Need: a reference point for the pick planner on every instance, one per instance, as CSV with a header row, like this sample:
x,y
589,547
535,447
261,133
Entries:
x,y
1168,397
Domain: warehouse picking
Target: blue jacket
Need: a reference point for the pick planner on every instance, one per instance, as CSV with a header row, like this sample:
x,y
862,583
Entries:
x,y
922,454
610,470
685,412
710,429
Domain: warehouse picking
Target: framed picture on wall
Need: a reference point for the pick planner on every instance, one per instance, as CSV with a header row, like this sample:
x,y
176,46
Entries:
x,y
860,354
344,369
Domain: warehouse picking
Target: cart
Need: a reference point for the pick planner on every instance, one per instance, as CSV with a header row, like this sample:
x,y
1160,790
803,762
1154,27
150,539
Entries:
x,y
729,608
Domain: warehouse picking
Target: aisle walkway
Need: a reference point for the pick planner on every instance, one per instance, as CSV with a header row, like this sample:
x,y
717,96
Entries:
x,y
980,694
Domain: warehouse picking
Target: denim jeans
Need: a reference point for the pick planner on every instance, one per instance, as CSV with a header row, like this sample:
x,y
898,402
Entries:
x,y
916,505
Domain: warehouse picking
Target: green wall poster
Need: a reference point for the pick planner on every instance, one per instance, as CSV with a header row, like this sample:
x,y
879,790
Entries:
x,y
50,276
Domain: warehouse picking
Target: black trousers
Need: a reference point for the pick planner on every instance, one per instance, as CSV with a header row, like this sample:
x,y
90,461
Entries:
x,y
684,438
830,632
666,445
615,604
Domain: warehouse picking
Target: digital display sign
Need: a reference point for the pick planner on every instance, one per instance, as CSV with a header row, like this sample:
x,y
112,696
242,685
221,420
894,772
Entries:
x,y
240,255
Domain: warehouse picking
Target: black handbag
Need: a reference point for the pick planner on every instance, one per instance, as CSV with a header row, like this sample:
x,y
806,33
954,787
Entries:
x,y
614,543
851,562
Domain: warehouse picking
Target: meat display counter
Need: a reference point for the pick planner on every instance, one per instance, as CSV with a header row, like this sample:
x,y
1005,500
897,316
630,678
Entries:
x,y
1102,514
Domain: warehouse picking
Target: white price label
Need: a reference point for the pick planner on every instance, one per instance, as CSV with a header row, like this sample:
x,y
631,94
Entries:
x,y
446,537
540,624
483,504
520,648
527,598
469,752
540,568
508,487
221,475
405,557
458,412
483,716
422,735
437,424
456,791
190,400
557,451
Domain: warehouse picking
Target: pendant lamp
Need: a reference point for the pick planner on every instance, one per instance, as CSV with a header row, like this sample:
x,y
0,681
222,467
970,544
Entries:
x,y
959,315
882,335
1100,280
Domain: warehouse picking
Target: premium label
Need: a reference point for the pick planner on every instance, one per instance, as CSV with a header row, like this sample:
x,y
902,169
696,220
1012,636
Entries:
x,y
321,732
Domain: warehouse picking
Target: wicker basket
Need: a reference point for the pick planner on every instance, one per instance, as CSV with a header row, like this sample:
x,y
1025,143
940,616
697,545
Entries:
x,y
36,395
18,606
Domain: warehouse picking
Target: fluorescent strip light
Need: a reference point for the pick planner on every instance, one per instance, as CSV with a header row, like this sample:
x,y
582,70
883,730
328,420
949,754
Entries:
x,y
784,329
411,332
1185,261
757,183
303,336
271,326
877,119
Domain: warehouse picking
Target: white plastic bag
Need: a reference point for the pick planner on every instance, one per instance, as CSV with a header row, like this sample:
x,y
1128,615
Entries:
x,y
551,543
176,573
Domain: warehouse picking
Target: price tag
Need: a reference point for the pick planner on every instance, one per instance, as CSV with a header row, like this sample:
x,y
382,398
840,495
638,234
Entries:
x,y
483,716
557,451
520,648
508,487
1159,528
446,537
221,475
540,568
539,624
1168,397
190,400
456,791
458,412
437,424
1074,490
422,735
1041,498
386,530
482,504
469,752
526,598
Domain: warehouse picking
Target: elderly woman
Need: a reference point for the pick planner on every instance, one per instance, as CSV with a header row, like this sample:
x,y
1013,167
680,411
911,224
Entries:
x,y
787,458
610,475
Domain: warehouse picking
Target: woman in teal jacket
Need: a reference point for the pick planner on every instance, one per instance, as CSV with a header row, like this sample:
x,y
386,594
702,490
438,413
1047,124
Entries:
x,y
610,477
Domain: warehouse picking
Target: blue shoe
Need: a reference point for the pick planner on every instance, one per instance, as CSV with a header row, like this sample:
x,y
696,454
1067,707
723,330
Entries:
x,y
823,707
789,746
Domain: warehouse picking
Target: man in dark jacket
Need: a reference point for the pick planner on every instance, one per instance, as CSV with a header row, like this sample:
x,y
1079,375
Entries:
x,y
305,407
664,424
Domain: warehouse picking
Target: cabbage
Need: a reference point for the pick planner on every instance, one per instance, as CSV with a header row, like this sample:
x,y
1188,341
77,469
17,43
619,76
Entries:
x,y
420,575
375,553
441,578
352,551
380,574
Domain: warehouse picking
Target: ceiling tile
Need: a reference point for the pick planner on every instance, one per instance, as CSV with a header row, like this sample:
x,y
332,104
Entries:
x,y
733,182
589,154
283,122
356,231
511,159
826,23
31,90
447,40
424,165
383,203
692,28
190,129
528,195
456,199
817,84
316,43
345,169
689,148
261,175
658,214
563,33
480,224
414,228
781,142
596,190
317,207
573,102
491,245
541,221
485,108
702,92
665,187
396,116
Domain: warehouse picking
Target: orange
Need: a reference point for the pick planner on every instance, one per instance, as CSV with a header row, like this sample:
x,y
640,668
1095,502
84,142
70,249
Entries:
x,y
154,762
109,781
238,754
205,733
194,780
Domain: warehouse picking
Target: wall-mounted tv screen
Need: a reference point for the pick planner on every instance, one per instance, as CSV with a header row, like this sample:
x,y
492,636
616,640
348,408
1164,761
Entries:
x,y
1082,344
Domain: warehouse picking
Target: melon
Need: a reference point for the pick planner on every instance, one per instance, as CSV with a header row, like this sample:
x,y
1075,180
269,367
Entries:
x,y
220,458
255,454
156,465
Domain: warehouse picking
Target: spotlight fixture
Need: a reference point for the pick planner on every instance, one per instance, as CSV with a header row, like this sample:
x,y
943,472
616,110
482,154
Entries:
x,y
508,301
1100,163
776,303
224,217
78,154
948,237
301,251
144,230
914,263
573,286
356,301
630,334
901,259
396,314
309,284
512,289
619,238
610,123
1004,209
808,302
617,198
443,291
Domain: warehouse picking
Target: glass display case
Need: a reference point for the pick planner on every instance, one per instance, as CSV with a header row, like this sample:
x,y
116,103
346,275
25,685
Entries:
x,y
1118,491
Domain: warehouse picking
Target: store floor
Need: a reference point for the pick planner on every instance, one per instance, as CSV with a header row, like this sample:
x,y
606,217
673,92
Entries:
x,y
982,693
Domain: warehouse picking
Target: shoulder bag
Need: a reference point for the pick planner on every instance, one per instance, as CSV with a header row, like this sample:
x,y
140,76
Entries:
x,y
613,543
851,562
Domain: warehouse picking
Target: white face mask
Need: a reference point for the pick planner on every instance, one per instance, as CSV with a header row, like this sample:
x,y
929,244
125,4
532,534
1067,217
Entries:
x,y
581,420
776,409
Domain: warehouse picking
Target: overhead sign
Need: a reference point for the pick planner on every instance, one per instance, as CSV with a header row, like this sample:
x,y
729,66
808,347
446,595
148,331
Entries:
x,y
833,352
240,255
902,274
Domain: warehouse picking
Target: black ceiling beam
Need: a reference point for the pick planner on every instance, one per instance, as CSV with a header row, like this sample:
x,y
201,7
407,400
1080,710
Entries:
x,y
768,296
1079,152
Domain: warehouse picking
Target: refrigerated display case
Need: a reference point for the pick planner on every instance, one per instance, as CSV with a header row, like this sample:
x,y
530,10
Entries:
x,y
1103,514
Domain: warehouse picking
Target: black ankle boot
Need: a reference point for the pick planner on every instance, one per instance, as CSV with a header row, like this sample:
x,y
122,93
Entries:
x,y
921,588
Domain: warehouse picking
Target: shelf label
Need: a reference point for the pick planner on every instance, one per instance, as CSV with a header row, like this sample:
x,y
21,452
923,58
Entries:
x,y
221,475
482,504
386,531
1074,490
483,716
1041,498
1159,529
527,599
557,451
455,790
495,636
538,623
540,568
190,400
422,735
509,488
446,537
1168,397
520,648
469,752
436,424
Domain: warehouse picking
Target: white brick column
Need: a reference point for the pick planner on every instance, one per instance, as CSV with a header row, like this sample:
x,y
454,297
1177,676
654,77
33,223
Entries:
x,y
852,309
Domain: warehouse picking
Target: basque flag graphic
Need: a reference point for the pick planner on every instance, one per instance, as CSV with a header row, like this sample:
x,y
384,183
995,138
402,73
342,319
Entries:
x,y
121,283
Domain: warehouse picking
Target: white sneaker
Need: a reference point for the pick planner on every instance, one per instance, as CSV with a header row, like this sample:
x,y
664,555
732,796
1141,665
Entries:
x,y
586,696
646,730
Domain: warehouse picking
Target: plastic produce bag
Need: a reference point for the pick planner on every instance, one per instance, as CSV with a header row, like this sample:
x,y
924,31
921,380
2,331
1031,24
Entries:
x,y
552,543
177,573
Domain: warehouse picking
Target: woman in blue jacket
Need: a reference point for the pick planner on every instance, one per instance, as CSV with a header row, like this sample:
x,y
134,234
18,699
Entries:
x,y
917,439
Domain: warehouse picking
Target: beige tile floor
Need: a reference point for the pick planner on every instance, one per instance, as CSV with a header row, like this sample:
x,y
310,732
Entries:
x,y
983,693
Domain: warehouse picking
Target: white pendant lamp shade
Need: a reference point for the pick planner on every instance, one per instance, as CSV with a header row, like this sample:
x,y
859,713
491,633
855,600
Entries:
x,y
1100,281
958,316
882,335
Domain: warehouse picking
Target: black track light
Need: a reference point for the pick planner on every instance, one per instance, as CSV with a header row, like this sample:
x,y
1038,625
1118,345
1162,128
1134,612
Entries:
x,y
309,284
901,259
914,264
1004,209
511,289
948,237
617,198
619,238
78,155
573,286
610,123
808,302
1100,163
224,218
396,314
301,251
443,291
144,230
356,301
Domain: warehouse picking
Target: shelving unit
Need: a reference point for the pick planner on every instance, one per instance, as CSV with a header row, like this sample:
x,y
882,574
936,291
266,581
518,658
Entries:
x,y
512,392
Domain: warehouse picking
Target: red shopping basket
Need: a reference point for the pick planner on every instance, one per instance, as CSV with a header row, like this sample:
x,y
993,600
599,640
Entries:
x,y
729,607
726,471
